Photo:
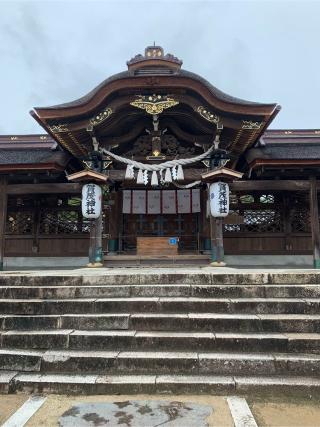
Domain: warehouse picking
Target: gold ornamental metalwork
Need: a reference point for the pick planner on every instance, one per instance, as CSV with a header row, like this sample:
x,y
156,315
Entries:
x,y
62,127
208,115
154,104
101,117
249,124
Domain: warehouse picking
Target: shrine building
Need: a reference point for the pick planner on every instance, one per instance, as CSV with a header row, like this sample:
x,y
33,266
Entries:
x,y
154,138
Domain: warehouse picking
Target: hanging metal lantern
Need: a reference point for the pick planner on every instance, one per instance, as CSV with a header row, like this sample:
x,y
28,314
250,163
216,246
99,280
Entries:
x,y
91,201
219,199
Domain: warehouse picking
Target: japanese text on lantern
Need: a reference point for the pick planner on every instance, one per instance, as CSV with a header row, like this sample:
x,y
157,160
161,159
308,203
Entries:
x,y
219,199
91,201
223,201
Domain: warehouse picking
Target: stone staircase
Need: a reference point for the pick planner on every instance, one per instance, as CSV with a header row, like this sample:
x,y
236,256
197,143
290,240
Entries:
x,y
178,332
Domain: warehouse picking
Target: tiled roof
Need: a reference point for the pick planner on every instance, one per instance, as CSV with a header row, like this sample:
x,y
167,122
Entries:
x,y
27,150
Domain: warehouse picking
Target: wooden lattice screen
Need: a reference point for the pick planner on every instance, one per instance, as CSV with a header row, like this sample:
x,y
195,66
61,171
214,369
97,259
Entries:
x,y
269,213
259,222
52,216
268,222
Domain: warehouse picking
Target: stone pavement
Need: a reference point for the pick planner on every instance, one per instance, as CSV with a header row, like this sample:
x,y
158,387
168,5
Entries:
x,y
157,410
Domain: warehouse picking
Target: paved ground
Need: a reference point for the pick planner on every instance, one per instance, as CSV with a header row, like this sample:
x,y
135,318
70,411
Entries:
x,y
156,270
171,411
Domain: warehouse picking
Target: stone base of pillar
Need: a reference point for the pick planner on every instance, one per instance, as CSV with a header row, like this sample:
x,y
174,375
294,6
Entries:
x,y
217,264
94,265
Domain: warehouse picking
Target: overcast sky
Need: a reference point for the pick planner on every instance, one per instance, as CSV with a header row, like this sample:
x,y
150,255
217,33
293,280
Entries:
x,y
56,51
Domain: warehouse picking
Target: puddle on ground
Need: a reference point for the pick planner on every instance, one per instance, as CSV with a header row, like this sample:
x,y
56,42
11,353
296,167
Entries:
x,y
136,413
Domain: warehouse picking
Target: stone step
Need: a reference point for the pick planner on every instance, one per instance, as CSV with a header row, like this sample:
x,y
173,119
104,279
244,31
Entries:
x,y
156,362
163,341
165,384
137,277
167,290
161,305
34,382
205,322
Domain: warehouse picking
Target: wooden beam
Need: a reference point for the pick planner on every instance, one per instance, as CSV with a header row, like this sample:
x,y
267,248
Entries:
x,y
3,216
75,188
314,219
49,188
271,185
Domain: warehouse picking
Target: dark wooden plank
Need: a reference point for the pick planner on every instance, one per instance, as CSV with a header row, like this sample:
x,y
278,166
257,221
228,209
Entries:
x,y
270,185
314,219
49,188
3,216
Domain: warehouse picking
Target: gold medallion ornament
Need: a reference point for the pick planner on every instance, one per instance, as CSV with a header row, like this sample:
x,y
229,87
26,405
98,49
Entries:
x,y
101,117
206,114
154,104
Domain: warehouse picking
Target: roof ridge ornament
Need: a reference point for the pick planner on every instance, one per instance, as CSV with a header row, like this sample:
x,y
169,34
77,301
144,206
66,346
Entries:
x,y
154,55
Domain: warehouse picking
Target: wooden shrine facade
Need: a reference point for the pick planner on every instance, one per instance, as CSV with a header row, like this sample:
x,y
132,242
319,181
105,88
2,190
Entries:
x,y
269,221
153,113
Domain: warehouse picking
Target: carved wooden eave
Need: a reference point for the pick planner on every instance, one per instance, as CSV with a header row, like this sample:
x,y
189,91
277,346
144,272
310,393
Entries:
x,y
221,174
88,176
201,106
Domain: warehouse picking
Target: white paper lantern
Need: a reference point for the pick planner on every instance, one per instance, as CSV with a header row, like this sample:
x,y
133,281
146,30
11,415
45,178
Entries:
x,y
91,201
219,199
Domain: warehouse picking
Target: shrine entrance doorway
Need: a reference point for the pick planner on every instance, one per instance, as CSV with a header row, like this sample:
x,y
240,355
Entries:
x,y
185,227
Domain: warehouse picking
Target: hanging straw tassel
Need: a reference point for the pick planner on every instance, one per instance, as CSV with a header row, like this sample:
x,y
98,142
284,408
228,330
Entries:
x,y
154,179
129,172
168,177
140,177
180,174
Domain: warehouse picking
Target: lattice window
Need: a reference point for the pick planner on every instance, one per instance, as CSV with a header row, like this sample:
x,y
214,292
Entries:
x,y
255,213
19,223
62,222
255,221
232,224
266,221
300,220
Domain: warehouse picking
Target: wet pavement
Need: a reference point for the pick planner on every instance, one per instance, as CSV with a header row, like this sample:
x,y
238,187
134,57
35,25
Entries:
x,y
137,413
167,411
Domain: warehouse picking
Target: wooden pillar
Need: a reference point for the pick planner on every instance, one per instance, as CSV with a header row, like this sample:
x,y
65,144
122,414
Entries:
x,y
216,237
92,241
314,220
95,246
3,217
98,257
